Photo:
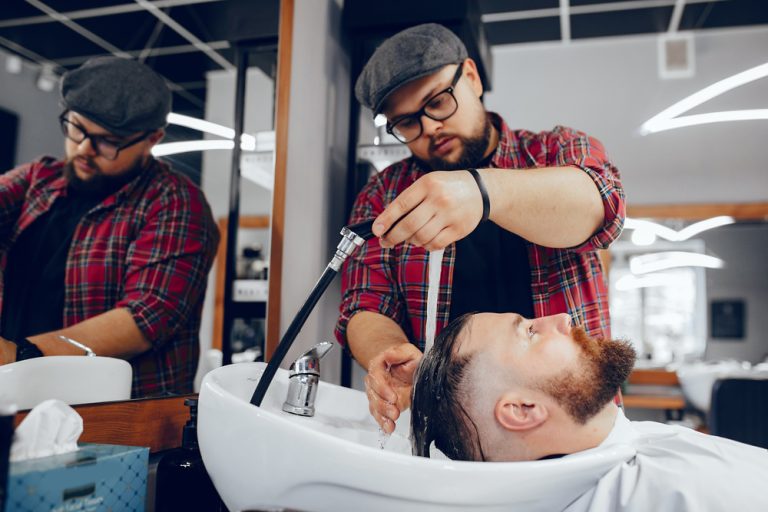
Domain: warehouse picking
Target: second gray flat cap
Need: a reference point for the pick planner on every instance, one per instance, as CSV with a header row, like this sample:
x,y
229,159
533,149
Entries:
x,y
413,53
121,95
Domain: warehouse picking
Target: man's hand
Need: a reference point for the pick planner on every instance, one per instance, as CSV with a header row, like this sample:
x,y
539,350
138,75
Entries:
x,y
389,383
437,210
7,351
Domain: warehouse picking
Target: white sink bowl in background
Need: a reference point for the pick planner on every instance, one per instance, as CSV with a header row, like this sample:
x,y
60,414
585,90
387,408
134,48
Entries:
x,y
261,458
71,379
697,379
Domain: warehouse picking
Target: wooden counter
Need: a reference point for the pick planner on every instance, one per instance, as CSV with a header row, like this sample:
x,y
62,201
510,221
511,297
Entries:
x,y
156,423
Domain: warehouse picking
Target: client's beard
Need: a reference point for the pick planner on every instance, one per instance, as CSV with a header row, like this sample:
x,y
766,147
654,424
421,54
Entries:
x,y
606,365
100,183
472,154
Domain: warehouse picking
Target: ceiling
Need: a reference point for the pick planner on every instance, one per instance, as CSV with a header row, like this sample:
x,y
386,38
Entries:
x,y
180,39
185,39
527,21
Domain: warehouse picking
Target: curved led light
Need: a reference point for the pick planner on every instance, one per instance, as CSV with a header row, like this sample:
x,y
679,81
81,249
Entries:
x,y
658,261
646,230
209,127
668,118
172,148
632,282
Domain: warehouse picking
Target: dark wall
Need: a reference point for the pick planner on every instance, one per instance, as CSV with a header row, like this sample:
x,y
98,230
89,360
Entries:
x,y
9,125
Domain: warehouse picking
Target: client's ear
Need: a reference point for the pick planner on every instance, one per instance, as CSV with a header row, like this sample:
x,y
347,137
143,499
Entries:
x,y
518,413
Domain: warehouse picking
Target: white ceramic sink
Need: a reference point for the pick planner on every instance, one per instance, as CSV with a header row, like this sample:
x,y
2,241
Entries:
x,y
261,458
71,379
697,379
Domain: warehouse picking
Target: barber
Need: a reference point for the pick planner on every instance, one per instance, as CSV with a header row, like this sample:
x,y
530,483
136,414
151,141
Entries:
x,y
108,247
520,215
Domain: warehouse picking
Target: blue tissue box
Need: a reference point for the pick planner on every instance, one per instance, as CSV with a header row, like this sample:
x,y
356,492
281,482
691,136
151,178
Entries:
x,y
94,478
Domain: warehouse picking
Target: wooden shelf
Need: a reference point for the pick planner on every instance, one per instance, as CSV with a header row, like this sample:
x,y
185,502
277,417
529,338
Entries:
x,y
654,402
654,378
246,222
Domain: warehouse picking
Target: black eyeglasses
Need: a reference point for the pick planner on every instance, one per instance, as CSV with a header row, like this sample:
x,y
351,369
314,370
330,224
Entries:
x,y
106,146
441,106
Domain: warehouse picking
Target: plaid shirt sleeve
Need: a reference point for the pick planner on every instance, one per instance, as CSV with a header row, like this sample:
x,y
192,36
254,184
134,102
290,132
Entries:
x,y
168,263
13,190
566,146
368,277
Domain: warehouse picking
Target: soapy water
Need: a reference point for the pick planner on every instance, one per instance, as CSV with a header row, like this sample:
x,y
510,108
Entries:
x,y
435,267
383,438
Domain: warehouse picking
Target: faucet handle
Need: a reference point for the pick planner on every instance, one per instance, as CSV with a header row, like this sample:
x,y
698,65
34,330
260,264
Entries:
x,y
309,361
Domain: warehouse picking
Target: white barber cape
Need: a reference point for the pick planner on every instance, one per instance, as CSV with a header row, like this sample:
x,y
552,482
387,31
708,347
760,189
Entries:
x,y
677,469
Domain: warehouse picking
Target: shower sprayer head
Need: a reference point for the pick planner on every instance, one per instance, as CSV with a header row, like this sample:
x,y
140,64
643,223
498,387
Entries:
x,y
362,229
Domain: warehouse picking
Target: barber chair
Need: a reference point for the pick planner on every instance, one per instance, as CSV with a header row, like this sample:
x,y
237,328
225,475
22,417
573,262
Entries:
x,y
739,410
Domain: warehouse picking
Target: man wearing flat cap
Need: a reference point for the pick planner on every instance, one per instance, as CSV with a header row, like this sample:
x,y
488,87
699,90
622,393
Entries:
x,y
520,215
108,247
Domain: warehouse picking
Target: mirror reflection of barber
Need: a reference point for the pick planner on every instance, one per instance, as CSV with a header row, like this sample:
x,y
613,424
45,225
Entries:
x,y
108,247
552,200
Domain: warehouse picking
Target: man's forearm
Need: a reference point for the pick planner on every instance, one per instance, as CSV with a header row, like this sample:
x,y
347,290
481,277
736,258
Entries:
x,y
111,334
554,207
369,334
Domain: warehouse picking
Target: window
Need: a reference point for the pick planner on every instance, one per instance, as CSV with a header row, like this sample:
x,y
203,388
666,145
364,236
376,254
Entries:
x,y
663,313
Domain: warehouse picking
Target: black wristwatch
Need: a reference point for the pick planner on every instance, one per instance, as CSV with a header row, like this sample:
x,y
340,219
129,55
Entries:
x,y
25,349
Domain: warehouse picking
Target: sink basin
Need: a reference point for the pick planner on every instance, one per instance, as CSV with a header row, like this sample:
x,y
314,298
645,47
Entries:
x,y
261,458
71,379
697,379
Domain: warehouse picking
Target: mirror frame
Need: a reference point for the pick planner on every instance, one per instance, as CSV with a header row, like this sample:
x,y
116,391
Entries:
x,y
282,101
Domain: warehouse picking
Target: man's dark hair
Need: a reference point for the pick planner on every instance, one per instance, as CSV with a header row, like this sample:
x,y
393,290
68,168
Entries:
x,y
437,413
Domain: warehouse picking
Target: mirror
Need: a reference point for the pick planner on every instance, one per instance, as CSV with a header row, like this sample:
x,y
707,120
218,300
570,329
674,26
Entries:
x,y
701,298
193,46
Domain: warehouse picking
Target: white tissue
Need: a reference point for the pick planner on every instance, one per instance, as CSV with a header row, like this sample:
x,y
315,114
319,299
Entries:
x,y
51,428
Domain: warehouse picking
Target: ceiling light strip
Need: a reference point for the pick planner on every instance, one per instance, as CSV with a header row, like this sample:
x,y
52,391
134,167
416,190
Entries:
x,y
28,54
98,12
677,15
186,34
78,28
585,9
565,21
154,52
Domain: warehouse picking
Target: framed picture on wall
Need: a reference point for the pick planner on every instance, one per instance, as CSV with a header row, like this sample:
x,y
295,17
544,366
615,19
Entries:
x,y
727,319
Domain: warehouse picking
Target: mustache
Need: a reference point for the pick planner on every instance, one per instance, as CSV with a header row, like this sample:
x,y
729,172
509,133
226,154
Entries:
x,y
589,344
436,140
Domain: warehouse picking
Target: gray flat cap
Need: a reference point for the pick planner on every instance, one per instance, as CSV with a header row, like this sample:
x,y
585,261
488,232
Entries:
x,y
413,53
121,95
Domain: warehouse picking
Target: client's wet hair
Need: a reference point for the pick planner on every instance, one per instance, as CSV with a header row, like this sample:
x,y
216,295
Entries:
x,y
440,390
437,413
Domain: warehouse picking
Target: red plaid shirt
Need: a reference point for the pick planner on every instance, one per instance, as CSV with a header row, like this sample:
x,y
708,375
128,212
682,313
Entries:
x,y
147,248
394,282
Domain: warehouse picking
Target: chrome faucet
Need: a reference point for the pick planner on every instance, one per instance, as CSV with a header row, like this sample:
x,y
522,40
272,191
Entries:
x,y
303,380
